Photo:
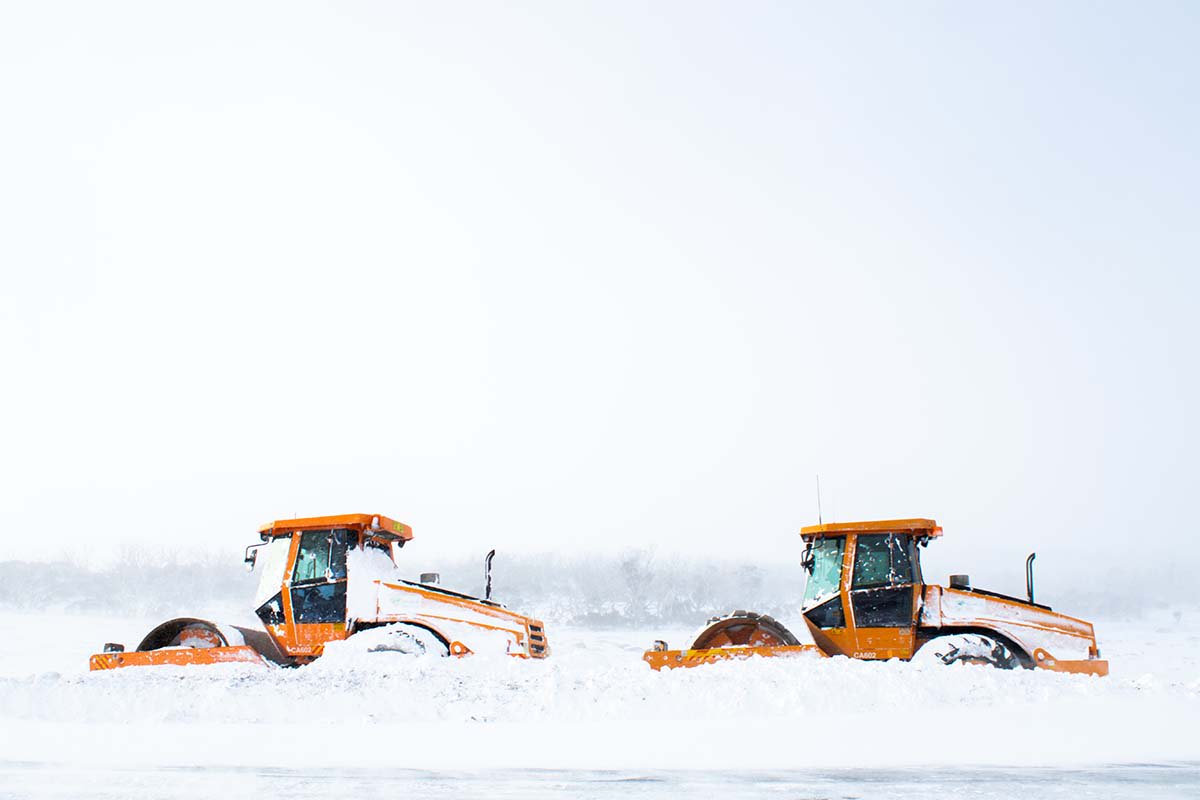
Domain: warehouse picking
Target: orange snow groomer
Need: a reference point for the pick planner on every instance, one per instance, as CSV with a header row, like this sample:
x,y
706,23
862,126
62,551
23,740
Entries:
x,y
867,599
326,579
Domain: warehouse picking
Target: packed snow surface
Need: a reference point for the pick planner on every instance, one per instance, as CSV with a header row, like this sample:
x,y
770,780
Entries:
x,y
593,706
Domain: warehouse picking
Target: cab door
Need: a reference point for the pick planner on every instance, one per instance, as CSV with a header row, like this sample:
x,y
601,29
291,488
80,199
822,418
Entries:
x,y
824,605
317,590
882,596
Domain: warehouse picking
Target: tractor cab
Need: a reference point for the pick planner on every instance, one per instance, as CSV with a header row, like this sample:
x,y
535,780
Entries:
x,y
864,585
866,599
302,592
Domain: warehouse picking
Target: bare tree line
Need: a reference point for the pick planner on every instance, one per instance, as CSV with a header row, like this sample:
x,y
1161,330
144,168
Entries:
x,y
633,588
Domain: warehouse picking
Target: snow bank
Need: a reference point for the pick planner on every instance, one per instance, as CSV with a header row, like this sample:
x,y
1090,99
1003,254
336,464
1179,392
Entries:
x,y
596,705
364,568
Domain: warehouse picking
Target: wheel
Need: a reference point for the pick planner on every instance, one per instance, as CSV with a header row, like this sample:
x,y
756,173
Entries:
x,y
198,635
968,648
190,632
744,629
412,640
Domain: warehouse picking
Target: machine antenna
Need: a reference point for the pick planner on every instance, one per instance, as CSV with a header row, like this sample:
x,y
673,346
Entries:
x,y
820,521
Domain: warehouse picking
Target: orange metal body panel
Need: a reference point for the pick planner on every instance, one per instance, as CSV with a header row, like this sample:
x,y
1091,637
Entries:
x,y
177,656
947,609
523,624
478,606
1004,609
870,644
308,640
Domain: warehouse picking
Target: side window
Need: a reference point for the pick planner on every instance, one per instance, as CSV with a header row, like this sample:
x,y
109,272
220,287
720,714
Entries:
x,y
313,558
883,608
319,602
341,539
882,560
271,612
828,615
902,560
871,562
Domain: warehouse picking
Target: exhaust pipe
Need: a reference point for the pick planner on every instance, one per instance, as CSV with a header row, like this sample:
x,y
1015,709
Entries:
x,y
487,575
1029,576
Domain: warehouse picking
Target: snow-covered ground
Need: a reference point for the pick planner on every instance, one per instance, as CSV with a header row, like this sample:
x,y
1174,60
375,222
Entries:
x,y
594,721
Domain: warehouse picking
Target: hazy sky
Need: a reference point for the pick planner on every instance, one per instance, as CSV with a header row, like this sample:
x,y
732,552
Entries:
x,y
587,277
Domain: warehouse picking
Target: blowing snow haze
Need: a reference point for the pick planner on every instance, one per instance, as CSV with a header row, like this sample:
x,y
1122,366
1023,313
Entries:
x,y
588,279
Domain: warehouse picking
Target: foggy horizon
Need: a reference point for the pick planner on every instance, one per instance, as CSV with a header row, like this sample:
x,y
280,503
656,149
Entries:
x,y
593,280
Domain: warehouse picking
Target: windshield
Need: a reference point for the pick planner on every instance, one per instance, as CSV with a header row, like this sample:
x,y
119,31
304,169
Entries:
x,y
826,569
272,561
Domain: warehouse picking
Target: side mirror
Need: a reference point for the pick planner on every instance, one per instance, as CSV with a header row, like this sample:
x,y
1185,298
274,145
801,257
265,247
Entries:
x,y
808,559
251,556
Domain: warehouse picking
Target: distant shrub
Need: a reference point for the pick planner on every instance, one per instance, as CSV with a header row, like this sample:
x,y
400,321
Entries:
x,y
633,588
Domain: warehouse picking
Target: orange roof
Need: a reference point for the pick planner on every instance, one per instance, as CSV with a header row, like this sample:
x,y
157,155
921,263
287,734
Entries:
x,y
914,527
372,523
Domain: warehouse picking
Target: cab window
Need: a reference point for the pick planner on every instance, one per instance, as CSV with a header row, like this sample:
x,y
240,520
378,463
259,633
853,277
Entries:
x,y
881,594
322,555
825,571
882,560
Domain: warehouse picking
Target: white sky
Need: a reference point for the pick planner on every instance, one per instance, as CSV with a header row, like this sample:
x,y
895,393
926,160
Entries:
x,y
577,277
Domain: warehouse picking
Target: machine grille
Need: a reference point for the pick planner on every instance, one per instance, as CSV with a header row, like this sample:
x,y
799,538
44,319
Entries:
x,y
537,640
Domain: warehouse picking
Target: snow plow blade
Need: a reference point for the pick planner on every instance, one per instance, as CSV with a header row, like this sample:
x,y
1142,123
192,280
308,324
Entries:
x,y
187,640
181,656
670,659
1088,666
